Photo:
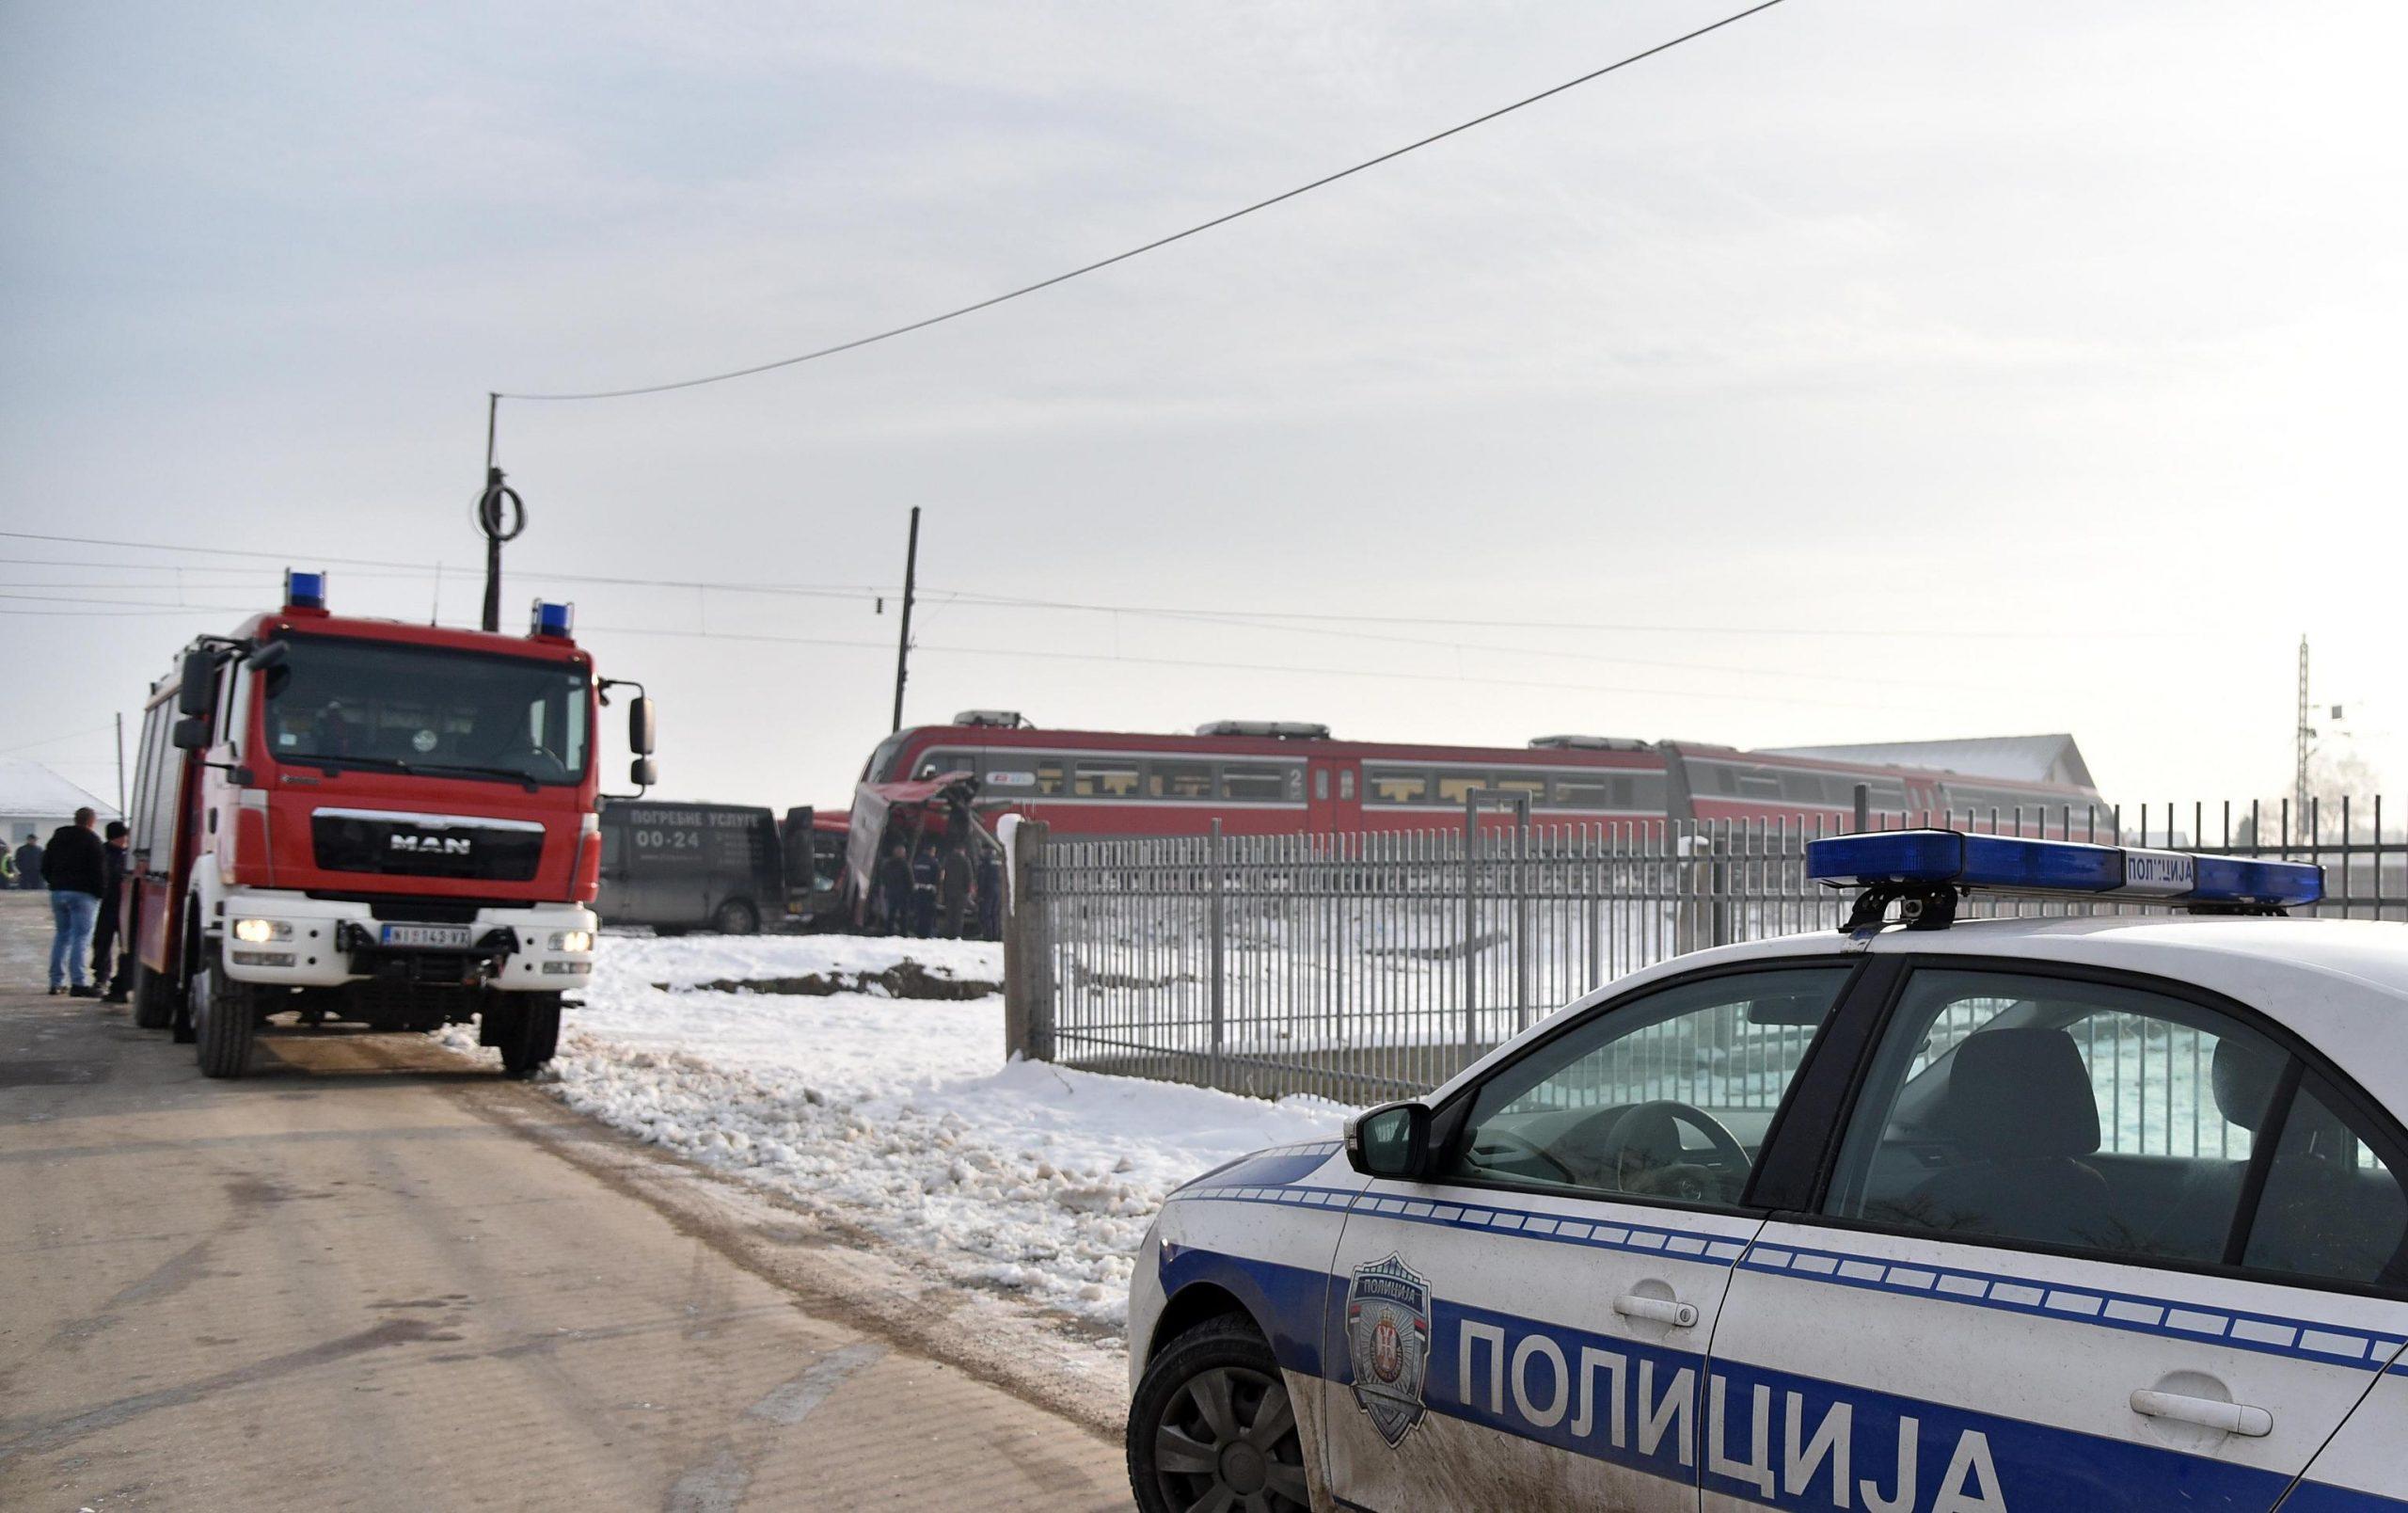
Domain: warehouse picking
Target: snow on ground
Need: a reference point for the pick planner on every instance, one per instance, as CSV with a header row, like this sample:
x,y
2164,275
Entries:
x,y
900,1115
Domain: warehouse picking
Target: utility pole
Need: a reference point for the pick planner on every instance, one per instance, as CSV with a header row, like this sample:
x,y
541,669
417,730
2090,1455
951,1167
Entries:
x,y
120,764
903,645
2304,737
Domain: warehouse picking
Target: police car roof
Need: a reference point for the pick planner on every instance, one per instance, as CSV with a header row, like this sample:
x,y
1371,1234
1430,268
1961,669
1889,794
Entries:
x,y
2342,984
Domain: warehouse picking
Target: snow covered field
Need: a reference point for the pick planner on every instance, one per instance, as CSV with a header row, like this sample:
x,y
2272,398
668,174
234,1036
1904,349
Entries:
x,y
899,1114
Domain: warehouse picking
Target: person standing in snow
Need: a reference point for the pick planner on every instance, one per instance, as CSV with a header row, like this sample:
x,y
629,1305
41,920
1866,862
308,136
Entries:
x,y
77,873
112,968
991,894
953,888
29,862
893,889
924,890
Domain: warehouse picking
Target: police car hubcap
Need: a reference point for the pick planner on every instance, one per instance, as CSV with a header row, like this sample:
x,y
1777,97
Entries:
x,y
1242,1470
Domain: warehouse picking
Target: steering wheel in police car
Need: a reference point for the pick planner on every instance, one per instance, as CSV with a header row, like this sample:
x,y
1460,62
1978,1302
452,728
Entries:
x,y
1642,1151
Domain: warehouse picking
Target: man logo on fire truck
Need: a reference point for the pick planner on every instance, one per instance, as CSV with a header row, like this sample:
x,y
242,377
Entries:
x,y
347,818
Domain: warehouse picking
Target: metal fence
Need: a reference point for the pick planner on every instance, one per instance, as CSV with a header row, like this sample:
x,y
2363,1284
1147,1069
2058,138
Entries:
x,y
1366,966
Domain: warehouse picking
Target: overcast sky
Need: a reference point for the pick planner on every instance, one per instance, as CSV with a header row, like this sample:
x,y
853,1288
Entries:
x,y
2049,352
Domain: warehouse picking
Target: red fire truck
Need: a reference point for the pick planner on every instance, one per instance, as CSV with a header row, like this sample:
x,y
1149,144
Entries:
x,y
353,820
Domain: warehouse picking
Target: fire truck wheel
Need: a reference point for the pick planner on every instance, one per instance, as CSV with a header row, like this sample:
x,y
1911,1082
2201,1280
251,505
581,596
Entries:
x,y
529,1034
154,998
225,1015
737,917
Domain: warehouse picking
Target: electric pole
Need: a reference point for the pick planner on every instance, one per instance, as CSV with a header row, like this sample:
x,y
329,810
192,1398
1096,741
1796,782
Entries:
x,y
121,765
903,645
2303,737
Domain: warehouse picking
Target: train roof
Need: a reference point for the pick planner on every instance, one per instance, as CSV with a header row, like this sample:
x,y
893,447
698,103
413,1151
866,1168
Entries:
x,y
2045,759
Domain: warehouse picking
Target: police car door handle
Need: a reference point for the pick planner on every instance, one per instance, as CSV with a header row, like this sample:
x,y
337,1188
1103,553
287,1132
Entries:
x,y
1657,1310
2207,1412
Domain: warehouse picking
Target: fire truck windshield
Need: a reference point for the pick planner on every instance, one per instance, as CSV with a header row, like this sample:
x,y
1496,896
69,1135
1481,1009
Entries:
x,y
338,703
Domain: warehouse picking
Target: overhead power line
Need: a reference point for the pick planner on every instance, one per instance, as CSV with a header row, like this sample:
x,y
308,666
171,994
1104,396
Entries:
x,y
1159,242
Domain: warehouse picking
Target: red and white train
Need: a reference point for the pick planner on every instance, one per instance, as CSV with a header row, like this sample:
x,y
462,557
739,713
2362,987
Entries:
x,y
1261,777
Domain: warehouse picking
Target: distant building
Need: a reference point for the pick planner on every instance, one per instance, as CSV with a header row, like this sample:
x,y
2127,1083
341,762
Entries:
x,y
32,797
2016,758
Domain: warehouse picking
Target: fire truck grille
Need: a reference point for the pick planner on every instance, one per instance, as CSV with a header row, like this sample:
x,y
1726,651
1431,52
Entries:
x,y
403,845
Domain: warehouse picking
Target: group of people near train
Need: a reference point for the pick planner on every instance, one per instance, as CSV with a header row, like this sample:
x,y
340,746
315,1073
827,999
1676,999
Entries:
x,y
936,882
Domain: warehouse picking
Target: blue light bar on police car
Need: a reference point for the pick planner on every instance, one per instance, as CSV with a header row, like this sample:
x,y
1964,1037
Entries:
x,y
305,591
552,619
2013,863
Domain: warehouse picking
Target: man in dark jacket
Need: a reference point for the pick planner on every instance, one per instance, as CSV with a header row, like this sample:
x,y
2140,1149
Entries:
x,y
77,873
112,966
953,888
893,888
29,862
991,894
924,889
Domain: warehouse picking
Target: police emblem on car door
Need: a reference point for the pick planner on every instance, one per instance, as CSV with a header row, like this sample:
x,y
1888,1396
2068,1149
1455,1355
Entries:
x,y
1387,1337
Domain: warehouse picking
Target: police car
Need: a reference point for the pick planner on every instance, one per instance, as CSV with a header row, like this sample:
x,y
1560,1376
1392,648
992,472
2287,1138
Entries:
x,y
1914,1217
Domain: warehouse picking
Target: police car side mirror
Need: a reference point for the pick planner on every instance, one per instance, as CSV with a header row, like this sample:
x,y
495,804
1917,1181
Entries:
x,y
1392,1140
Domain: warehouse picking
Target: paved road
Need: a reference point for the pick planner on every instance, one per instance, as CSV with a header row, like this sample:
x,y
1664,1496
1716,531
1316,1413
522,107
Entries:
x,y
374,1277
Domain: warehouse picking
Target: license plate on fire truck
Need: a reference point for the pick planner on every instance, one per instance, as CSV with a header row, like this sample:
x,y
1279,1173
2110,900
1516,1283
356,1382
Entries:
x,y
439,937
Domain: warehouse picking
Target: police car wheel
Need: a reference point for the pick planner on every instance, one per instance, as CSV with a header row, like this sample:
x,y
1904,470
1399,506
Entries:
x,y
1211,1427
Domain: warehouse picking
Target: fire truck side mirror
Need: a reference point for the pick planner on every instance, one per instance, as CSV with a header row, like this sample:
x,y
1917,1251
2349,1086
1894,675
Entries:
x,y
642,772
640,731
197,684
191,733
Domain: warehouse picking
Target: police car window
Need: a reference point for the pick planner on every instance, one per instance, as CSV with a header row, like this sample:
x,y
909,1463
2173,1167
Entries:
x,y
1666,1096
2333,1207
2027,1107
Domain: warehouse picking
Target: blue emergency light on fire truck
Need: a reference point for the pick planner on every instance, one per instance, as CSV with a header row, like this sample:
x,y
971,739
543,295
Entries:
x,y
1926,871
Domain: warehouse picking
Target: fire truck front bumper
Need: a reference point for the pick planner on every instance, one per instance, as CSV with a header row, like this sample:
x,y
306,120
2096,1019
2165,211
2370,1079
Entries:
x,y
292,940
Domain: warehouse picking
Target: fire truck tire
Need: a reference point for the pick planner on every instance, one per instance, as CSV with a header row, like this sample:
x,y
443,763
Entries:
x,y
154,998
530,1033
737,917
224,1018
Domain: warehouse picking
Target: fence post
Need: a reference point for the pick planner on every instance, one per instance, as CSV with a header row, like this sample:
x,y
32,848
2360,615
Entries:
x,y
1471,928
1863,807
1522,921
1028,1007
1217,859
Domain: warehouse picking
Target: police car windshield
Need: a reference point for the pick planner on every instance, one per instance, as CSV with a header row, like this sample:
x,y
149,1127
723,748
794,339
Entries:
x,y
340,703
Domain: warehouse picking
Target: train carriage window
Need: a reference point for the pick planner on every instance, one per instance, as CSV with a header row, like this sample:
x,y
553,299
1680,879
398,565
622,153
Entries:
x,y
1588,791
1257,785
934,763
1395,784
1804,787
1534,787
1052,777
1105,780
1453,788
1346,784
1759,786
1179,780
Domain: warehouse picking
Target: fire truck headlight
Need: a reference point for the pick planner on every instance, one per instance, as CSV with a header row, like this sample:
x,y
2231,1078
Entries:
x,y
259,932
572,940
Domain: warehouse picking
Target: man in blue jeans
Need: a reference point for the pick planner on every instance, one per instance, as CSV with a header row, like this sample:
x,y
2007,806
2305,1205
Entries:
x,y
77,872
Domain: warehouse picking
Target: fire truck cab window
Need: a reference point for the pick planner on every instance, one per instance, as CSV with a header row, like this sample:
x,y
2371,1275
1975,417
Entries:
x,y
359,703
1106,780
1390,785
1179,780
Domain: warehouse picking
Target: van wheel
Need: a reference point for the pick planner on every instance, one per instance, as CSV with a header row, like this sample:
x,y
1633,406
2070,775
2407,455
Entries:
x,y
154,998
529,1034
1211,1427
224,1017
737,917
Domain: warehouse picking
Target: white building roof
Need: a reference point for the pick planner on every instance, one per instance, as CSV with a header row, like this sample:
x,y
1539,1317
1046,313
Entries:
x,y
31,788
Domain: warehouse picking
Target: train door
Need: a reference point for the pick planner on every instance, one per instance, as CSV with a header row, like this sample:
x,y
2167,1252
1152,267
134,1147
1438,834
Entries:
x,y
1333,795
